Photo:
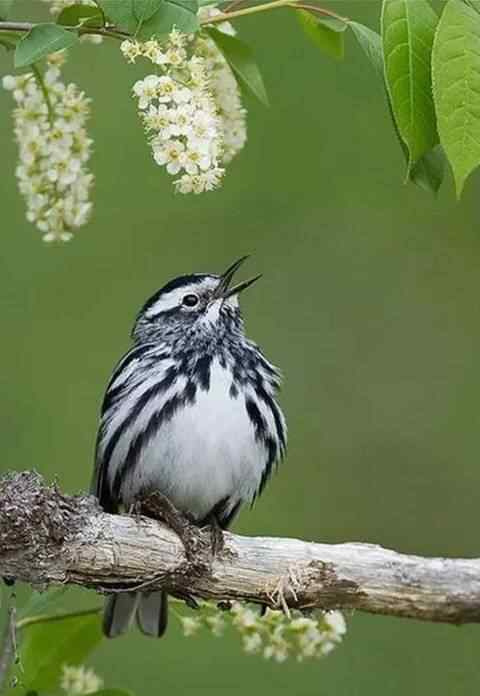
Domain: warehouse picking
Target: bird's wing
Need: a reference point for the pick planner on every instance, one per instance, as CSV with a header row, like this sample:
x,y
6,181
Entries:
x,y
121,377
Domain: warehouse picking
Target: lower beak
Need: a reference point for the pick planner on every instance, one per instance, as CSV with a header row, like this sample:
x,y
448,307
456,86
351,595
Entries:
x,y
224,290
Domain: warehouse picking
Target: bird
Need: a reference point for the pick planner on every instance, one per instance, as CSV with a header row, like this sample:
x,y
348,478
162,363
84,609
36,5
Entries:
x,y
190,411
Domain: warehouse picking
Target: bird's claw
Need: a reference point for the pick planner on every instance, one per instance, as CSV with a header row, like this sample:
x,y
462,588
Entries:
x,y
159,507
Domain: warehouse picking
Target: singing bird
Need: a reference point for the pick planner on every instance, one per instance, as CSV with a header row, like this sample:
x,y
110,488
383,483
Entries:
x,y
190,412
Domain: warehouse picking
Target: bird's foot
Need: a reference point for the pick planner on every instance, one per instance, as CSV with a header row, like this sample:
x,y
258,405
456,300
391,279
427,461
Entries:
x,y
159,507
217,541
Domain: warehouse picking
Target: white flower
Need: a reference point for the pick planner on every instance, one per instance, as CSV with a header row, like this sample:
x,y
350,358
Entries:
x,y
170,153
146,90
159,118
184,184
182,120
9,82
252,643
79,680
190,625
244,617
335,623
53,151
182,95
216,623
193,159
131,50
177,39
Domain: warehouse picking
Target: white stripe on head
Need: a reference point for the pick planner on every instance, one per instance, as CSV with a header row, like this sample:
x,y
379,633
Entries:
x,y
173,298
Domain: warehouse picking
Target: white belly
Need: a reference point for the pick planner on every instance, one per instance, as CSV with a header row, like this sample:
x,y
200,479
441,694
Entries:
x,y
205,453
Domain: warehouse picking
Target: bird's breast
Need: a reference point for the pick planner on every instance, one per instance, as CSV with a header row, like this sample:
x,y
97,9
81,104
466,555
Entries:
x,y
206,449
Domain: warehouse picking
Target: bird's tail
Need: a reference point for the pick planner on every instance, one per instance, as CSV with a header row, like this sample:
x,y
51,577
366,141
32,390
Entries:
x,y
150,609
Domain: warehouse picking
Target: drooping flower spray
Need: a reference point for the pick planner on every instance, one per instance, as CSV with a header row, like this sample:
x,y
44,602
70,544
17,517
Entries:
x,y
190,107
54,148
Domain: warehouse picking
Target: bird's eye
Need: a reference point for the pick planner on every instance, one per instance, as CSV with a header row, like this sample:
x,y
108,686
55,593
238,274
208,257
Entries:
x,y
190,300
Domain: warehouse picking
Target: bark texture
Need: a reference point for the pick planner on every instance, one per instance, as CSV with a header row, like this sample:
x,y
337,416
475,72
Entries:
x,y
47,537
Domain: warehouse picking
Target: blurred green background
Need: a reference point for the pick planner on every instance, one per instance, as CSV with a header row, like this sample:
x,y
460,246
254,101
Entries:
x,y
368,303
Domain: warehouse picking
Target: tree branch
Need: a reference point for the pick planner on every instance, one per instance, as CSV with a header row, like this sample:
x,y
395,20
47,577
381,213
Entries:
x,y
47,537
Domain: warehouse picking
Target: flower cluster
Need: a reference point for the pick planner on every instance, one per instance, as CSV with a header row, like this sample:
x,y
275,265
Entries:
x,y
56,6
78,681
190,108
49,127
273,635
224,88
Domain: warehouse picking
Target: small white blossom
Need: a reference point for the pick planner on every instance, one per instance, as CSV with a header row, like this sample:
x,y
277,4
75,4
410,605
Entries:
x,y
77,681
252,643
190,625
53,150
244,618
335,622
131,50
175,56
170,153
147,90
216,623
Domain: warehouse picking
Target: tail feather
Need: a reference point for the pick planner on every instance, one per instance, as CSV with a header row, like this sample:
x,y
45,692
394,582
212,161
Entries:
x,y
150,608
119,612
152,613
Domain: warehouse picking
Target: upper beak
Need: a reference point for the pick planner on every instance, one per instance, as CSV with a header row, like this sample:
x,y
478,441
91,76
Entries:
x,y
223,290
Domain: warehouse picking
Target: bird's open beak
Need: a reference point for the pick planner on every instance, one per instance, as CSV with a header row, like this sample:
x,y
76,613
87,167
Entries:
x,y
224,290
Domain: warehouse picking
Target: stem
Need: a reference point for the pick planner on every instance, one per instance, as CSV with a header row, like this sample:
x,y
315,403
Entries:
x,y
46,96
8,647
225,16
49,618
114,33
100,31
319,10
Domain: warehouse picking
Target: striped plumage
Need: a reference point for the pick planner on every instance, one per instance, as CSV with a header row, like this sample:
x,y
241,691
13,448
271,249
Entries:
x,y
190,411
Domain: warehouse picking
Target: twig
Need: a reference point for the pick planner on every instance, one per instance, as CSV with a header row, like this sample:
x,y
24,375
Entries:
x,y
228,14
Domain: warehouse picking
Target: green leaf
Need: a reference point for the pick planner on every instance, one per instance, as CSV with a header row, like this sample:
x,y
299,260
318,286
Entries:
x,y
371,43
429,170
179,13
474,4
408,28
456,87
49,645
40,602
240,58
325,32
144,9
78,15
120,13
40,41
5,6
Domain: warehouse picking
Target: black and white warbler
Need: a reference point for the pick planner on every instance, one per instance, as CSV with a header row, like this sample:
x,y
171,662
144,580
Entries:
x,y
190,412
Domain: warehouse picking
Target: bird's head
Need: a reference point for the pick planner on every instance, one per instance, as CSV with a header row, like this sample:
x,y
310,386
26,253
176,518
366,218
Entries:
x,y
199,303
